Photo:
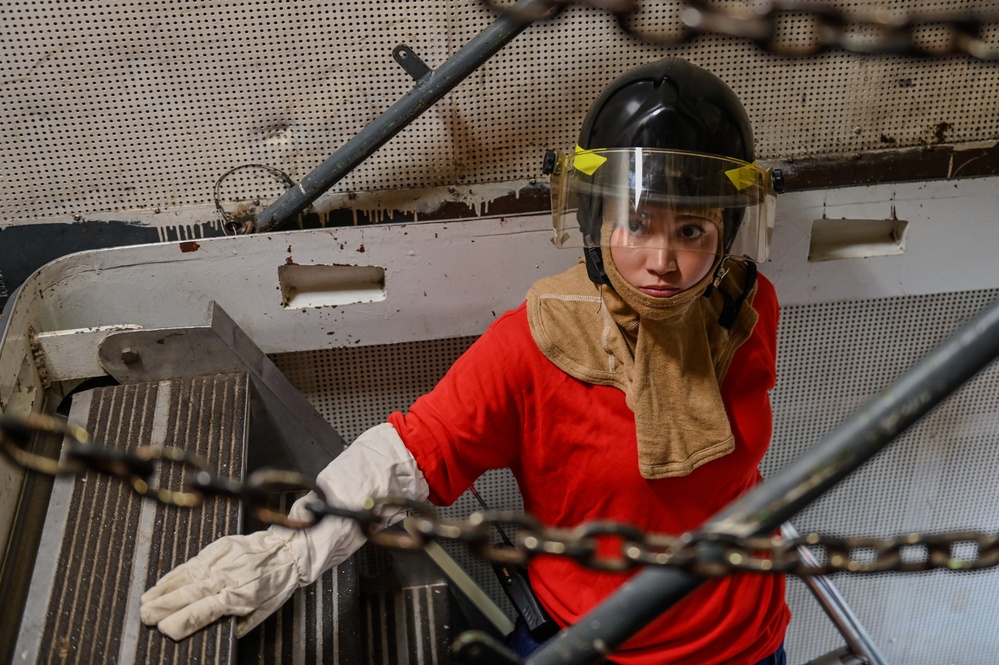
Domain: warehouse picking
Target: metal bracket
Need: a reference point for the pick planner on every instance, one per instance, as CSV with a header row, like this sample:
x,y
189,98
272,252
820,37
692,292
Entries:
x,y
408,60
288,432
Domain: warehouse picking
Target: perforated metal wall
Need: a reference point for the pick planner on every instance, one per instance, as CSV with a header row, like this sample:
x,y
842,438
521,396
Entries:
x,y
140,106
939,476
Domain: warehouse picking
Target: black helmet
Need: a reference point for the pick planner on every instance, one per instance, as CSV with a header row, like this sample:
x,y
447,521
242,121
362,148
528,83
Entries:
x,y
673,105
697,145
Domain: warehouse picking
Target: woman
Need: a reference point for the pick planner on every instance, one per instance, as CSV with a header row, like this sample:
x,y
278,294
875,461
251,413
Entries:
x,y
633,387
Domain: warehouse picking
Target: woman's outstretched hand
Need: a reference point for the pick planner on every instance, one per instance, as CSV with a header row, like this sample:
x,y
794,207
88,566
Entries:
x,y
251,576
245,576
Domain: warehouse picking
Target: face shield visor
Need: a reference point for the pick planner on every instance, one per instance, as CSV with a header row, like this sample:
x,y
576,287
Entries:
x,y
662,199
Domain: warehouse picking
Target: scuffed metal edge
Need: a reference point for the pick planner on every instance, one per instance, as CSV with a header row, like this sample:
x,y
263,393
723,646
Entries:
x,y
931,162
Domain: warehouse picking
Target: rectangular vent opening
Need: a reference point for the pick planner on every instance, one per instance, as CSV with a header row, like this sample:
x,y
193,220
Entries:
x,y
834,239
327,286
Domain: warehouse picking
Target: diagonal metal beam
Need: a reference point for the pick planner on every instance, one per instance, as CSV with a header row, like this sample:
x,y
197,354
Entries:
x,y
429,88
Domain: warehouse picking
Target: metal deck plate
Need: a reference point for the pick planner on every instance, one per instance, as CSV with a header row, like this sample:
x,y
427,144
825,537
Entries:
x,y
104,544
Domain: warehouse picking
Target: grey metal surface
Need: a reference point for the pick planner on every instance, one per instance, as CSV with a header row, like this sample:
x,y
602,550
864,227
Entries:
x,y
321,624
288,432
408,626
104,544
939,476
379,607
838,657
35,611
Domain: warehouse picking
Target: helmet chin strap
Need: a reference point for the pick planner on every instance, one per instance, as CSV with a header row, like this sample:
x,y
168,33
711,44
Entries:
x,y
594,262
731,305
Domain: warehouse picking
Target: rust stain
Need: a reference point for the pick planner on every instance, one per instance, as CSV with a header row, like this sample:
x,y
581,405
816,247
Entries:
x,y
289,261
64,647
189,246
361,249
940,131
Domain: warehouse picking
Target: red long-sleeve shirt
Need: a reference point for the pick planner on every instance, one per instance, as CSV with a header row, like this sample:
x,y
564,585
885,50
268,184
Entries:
x,y
572,447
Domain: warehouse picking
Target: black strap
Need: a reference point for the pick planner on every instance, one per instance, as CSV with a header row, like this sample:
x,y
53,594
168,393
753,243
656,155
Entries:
x,y
732,306
595,264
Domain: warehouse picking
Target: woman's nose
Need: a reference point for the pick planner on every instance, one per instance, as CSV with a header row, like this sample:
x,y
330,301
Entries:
x,y
661,260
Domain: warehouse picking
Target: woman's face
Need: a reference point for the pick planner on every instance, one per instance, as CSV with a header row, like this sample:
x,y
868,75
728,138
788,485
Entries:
x,y
663,251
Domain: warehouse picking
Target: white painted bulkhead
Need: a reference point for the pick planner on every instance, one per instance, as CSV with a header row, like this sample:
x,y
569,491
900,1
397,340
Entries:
x,y
452,278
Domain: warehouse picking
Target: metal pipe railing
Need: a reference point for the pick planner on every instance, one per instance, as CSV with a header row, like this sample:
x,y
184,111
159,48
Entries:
x,y
763,509
429,88
858,640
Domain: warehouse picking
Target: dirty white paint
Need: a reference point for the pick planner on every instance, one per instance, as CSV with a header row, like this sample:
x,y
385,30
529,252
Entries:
x,y
182,223
441,280
453,278
62,351
421,201
950,241
369,206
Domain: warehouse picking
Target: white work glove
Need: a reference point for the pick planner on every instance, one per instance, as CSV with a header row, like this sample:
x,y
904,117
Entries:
x,y
252,576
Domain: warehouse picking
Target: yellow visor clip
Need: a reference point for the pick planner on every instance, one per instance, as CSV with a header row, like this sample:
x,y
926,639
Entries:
x,y
744,176
587,161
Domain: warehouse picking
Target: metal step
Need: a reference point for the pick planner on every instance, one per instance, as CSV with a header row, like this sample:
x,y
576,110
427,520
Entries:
x,y
103,544
317,626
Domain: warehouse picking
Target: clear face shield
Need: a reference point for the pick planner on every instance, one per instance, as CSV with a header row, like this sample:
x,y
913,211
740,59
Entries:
x,y
664,200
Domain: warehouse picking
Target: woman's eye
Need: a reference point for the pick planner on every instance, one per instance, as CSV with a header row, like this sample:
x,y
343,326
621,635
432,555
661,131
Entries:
x,y
691,231
638,224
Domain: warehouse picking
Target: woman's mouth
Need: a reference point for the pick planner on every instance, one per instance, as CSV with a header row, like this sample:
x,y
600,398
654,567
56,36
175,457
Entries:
x,y
659,291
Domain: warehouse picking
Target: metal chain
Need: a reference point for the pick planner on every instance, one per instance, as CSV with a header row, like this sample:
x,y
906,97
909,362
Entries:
x,y
796,27
599,545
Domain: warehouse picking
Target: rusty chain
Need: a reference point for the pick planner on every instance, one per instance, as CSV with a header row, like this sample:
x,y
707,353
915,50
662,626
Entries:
x,y
599,545
794,27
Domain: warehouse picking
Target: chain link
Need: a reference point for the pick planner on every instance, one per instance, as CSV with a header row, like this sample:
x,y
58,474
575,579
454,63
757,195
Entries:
x,y
796,27
599,545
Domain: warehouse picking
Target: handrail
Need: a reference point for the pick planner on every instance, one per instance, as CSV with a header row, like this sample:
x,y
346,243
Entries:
x,y
430,87
836,608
